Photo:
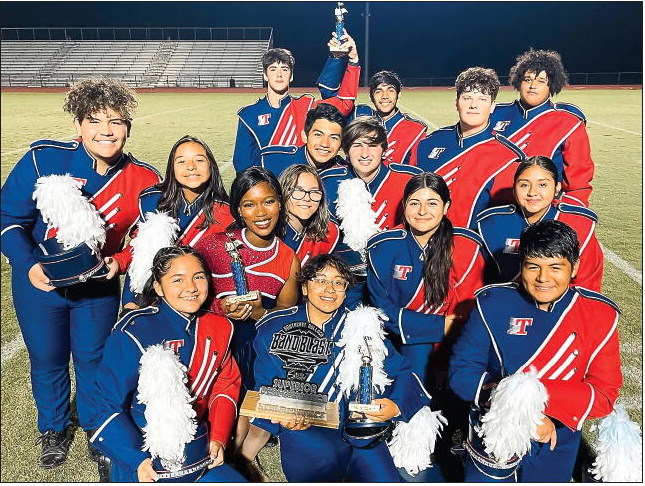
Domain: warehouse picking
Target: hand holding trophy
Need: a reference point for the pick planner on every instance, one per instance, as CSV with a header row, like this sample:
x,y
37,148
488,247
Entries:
x,y
341,43
239,306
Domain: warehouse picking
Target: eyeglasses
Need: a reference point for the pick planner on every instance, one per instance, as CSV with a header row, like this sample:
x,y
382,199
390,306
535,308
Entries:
x,y
315,195
337,285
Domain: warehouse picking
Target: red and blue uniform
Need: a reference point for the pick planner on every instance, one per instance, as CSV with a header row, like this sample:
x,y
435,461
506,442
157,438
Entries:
x,y
396,285
190,218
78,318
262,127
321,454
574,347
278,159
557,131
306,248
478,169
202,345
500,228
267,270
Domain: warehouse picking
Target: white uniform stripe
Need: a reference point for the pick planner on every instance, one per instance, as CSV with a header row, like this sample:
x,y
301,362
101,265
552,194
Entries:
x,y
556,357
103,208
202,385
564,365
207,347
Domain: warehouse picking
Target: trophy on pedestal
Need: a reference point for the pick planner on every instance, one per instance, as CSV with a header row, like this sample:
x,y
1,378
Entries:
x,y
357,426
301,346
239,275
339,12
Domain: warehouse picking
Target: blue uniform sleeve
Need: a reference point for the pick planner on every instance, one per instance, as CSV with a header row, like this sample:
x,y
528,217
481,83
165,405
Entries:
x,y
247,151
413,327
482,203
331,76
264,372
469,368
118,436
406,390
127,296
19,214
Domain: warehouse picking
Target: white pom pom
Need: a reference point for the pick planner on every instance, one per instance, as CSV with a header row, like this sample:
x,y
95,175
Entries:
x,y
170,417
620,449
354,208
63,206
517,408
158,231
413,442
362,323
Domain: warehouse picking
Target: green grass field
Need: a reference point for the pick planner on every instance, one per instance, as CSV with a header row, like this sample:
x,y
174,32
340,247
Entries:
x,y
614,126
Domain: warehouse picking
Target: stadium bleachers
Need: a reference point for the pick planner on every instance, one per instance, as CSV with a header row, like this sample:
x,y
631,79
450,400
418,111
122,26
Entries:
x,y
176,63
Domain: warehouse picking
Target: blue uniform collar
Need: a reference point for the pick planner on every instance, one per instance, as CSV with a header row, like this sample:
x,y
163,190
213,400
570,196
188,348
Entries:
x,y
111,169
470,140
189,209
175,317
393,120
558,306
284,101
536,110
303,156
548,215
374,184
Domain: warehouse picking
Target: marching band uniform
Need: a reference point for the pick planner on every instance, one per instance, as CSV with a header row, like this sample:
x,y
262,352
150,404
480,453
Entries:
x,y
202,344
262,127
478,169
396,285
280,158
306,248
267,270
386,190
557,131
190,216
321,454
78,317
500,228
578,364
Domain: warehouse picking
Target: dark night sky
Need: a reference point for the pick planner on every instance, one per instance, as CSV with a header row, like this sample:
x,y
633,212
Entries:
x,y
416,39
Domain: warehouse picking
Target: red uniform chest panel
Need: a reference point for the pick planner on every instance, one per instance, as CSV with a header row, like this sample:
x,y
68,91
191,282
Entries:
x,y
193,233
567,351
118,202
387,200
292,122
468,174
401,139
213,335
309,248
544,134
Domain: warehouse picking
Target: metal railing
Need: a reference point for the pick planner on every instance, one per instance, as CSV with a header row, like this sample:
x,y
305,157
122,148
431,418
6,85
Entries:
x,y
135,33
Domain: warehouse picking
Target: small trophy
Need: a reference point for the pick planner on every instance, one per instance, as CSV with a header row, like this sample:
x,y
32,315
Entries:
x,y
358,426
340,27
239,275
301,346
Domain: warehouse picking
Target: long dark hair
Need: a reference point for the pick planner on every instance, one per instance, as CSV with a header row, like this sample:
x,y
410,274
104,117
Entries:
x,y
160,266
317,227
243,182
438,252
172,193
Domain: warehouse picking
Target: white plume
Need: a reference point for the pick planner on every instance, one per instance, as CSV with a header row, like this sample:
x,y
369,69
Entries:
x,y
517,408
63,206
620,449
354,208
413,442
157,231
362,323
170,417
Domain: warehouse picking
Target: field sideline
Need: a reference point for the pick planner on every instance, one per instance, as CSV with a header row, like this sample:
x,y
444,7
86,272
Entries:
x,y
614,126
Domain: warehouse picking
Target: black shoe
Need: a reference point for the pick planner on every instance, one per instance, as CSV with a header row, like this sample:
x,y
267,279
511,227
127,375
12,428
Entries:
x,y
92,452
104,464
55,447
272,442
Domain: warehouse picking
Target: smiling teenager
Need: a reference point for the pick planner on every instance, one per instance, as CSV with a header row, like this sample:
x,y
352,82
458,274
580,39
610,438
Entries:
x,y
56,322
535,190
534,338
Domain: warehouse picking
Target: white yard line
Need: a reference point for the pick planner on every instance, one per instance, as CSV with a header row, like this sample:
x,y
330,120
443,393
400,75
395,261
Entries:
x,y
416,115
614,128
622,265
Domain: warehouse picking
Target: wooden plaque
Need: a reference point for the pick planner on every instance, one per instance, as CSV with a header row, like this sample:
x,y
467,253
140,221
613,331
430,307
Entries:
x,y
252,408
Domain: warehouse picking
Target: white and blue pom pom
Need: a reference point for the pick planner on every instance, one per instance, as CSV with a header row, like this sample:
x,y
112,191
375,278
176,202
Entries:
x,y
354,208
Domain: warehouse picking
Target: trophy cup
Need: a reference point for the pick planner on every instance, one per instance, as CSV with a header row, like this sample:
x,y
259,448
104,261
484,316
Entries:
x,y
239,275
301,346
358,428
340,27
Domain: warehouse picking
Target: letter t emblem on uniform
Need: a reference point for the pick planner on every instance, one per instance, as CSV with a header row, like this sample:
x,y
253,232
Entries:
x,y
518,325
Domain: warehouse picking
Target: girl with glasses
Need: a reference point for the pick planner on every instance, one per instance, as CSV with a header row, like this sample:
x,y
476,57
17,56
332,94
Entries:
x,y
535,188
309,230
